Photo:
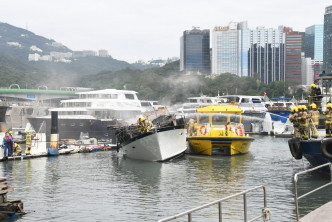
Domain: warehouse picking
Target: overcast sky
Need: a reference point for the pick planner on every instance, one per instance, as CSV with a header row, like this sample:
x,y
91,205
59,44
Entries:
x,y
146,29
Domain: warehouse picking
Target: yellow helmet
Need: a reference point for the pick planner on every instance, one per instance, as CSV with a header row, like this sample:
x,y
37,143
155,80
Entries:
x,y
304,107
329,105
28,131
296,109
313,106
142,118
293,110
10,132
313,85
15,144
299,107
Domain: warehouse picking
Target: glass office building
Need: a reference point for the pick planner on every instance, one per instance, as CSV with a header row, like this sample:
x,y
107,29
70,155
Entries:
x,y
224,50
327,55
314,42
244,52
230,46
195,51
266,55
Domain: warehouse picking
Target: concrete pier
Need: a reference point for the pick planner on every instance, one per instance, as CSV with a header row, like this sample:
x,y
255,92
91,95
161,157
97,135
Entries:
x,y
321,214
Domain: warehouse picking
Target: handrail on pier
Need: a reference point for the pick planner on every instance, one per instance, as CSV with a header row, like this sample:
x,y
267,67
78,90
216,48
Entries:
x,y
310,192
265,211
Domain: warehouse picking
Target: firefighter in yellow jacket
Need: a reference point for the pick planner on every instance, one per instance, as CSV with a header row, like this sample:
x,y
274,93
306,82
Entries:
x,y
313,120
140,125
328,121
28,139
304,122
293,118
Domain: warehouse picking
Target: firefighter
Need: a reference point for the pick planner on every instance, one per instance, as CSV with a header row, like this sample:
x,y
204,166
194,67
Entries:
x,y
28,138
17,150
191,127
328,121
140,125
294,120
315,96
147,126
313,120
304,123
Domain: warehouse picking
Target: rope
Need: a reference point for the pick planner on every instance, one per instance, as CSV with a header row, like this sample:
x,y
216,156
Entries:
x,y
266,214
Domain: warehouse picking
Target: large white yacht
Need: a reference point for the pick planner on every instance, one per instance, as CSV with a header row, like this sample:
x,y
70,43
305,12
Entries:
x,y
94,112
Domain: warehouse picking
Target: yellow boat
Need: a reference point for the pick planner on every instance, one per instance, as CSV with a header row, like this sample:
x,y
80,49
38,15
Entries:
x,y
219,130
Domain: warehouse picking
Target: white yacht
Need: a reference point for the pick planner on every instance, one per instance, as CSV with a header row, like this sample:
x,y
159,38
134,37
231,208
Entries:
x,y
95,113
247,103
253,111
193,102
148,106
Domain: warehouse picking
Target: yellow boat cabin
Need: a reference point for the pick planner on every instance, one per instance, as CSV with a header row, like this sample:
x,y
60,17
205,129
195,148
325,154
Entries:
x,y
218,130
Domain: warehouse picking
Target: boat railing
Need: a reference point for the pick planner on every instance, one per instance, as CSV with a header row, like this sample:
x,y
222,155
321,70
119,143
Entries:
x,y
265,212
296,176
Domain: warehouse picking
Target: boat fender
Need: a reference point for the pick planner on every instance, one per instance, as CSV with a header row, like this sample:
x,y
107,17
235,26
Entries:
x,y
295,148
325,144
202,129
239,130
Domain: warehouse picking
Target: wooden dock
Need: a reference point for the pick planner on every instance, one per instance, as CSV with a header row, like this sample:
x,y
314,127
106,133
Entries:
x,y
321,214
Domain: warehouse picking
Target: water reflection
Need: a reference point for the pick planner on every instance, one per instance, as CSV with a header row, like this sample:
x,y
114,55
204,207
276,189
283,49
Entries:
x,y
218,177
104,186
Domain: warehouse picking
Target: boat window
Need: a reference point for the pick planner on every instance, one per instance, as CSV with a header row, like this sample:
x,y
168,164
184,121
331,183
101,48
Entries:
x,y
105,96
192,100
145,104
230,99
255,100
245,100
219,119
235,118
155,103
203,119
130,96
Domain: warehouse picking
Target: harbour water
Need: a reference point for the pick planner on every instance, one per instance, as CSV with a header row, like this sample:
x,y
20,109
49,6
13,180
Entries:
x,y
104,186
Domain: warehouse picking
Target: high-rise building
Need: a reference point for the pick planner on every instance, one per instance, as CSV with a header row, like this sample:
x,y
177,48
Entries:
x,y
244,52
293,47
307,70
225,49
195,51
327,57
266,54
314,42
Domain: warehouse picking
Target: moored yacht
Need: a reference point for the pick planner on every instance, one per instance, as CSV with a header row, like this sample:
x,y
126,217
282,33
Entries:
x,y
193,102
253,110
94,112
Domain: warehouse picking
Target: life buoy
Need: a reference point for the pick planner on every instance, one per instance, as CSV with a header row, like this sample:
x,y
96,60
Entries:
x,y
325,144
239,130
295,148
202,129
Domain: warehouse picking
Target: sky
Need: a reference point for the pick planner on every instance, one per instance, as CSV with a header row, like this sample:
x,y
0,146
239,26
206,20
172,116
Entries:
x,y
149,29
